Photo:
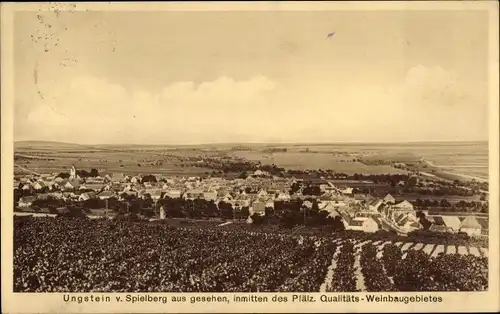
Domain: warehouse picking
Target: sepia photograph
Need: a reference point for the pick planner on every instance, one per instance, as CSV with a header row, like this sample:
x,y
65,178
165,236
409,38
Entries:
x,y
250,151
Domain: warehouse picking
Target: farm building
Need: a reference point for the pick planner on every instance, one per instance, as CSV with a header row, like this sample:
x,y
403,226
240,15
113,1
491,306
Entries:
x,y
365,224
471,226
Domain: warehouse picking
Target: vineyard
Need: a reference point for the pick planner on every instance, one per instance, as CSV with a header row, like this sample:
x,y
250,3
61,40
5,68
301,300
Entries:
x,y
83,255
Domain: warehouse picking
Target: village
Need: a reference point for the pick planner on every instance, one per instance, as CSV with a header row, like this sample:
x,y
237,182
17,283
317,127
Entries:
x,y
257,194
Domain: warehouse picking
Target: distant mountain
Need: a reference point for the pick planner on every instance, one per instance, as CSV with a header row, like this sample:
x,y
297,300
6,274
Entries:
x,y
64,145
44,144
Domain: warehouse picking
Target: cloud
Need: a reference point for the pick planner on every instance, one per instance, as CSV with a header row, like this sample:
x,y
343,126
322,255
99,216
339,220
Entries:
x,y
93,109
431,103
435,86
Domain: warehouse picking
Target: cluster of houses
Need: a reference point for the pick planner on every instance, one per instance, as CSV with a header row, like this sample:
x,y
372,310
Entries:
x,y
257,192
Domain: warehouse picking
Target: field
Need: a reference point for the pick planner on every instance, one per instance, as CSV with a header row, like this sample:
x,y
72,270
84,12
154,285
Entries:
x,y
317,160
444,160
64,255
44,158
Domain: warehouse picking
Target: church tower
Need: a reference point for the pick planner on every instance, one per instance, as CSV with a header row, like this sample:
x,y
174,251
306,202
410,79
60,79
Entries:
x,y
72,173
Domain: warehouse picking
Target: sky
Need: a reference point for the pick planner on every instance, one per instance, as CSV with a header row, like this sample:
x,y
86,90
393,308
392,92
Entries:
x,y
109,77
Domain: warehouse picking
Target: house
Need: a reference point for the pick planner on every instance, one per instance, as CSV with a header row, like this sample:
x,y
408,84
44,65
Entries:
x,y
117,177
87,196
69,195
155,194
366,224
131,193
347,191
173,193
388,199
26,201
270,203
409,223
210,196
58,180
95,186
374,205
260,173
334,213
403,206
227,199
283,196
73,184
193,194
106,195
453,222
56,195
439,228
262,193
114,187
326,206
471,226
136,179
39,185
258,207
26,187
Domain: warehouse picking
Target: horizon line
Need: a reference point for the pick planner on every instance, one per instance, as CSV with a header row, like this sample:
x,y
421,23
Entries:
x,y
259,143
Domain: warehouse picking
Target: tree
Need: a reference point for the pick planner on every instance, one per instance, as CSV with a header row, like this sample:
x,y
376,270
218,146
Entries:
x,y
83,173
257,219
148,178
226,210
63,175
338,224
94,173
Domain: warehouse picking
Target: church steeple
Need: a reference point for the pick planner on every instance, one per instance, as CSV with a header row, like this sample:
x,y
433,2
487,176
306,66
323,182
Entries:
x,y
72,173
